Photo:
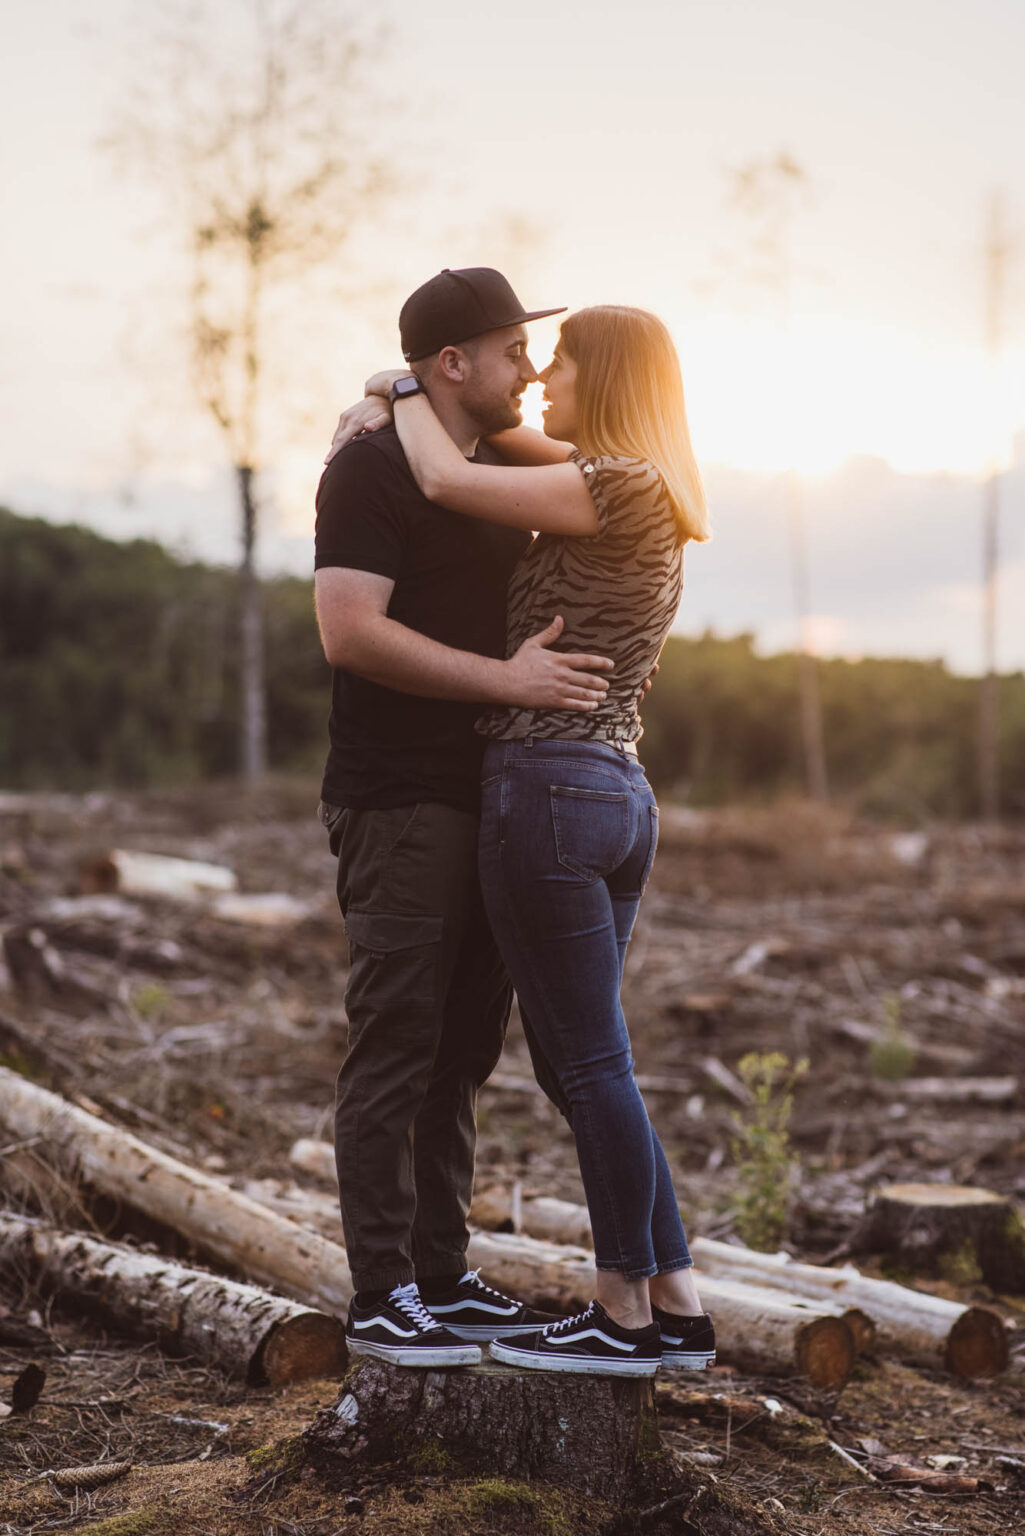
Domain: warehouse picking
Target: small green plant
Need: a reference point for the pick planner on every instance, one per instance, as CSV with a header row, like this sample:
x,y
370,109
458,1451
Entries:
x,y
761,1147
151,1000
891,1054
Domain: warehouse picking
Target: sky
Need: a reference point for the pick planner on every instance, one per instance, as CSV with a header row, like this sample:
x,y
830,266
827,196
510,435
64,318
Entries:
x,y
590,152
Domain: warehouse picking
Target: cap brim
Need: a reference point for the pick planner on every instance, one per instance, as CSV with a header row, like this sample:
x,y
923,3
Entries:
x,y
540,314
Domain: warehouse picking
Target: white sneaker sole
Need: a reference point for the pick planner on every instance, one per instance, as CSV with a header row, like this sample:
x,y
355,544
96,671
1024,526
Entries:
x,y
428,1358
485,1333
580,1365
678,1361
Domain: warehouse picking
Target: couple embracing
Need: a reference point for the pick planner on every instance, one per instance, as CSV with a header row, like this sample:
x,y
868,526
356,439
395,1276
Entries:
x,y
492,823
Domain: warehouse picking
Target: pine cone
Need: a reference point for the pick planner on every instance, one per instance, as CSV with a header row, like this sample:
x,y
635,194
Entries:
x,y
92,1477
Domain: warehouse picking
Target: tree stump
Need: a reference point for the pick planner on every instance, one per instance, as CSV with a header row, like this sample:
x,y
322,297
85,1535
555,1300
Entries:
x,y
594,1434
952,1230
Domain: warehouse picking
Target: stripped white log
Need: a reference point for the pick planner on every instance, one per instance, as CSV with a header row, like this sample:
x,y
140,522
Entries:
x,y
912,1325
261,1245
155,874
261,909
316,1158
953,1090
240,1328
766,1331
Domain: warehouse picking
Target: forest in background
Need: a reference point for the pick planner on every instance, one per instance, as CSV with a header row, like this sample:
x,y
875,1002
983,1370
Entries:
x,y
119,666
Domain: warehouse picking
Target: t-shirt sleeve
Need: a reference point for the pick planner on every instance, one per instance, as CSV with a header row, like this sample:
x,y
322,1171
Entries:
x,y
359,513
629,495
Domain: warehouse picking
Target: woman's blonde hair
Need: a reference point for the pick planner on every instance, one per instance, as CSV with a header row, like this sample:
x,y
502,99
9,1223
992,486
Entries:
x,y
630,401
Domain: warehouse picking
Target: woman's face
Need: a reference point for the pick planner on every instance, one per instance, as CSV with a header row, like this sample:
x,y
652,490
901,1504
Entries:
x,y
560,396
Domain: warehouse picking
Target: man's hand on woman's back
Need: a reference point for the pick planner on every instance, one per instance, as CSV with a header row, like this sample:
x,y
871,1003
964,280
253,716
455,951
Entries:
x,y
540,678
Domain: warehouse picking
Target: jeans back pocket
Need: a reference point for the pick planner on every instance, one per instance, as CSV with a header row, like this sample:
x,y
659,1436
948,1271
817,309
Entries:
x,y
592,829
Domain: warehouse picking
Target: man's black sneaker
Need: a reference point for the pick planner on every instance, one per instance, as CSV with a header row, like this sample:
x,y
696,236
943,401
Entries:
x,y
688,1343
590,1343
399,1329
473,1310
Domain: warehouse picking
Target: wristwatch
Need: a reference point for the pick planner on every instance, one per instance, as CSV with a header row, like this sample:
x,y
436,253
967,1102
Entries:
x,y
403,388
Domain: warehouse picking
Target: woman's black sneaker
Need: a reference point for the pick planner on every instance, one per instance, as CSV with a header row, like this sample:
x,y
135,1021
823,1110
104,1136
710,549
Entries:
x,y
591,1344
688,1343
473,1310
400,1329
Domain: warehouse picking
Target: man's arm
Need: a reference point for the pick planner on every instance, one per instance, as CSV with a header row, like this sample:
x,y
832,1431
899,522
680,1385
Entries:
x,y
357,634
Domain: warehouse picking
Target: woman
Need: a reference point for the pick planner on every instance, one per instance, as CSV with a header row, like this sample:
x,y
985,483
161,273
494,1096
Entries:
x,y
569,822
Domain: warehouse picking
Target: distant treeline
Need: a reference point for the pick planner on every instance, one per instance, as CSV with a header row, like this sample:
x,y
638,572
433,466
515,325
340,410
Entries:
x,y
118,665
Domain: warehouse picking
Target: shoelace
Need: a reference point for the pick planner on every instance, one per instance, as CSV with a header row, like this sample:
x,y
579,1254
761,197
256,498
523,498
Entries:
x,y
407,1299
474,1276
553,1330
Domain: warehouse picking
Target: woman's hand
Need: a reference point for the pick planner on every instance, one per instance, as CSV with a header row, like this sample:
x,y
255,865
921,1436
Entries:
x,y
381,383
366,416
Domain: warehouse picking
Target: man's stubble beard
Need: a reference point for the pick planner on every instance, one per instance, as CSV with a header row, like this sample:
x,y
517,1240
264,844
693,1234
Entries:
x,y
490,415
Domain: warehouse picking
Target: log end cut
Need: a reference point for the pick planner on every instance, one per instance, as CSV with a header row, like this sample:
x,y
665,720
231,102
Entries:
x,y
304,1347
825,1351
977,1344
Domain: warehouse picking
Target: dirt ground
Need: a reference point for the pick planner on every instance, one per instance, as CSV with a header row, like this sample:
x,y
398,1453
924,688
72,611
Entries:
x,y
789,929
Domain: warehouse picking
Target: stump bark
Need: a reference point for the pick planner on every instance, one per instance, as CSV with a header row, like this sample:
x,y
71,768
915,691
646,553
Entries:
x,y
595,1434
952,1230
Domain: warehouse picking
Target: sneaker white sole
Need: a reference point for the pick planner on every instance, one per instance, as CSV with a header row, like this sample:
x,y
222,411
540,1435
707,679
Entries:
x,y
484,1335
428,1358
677,1360
580,1365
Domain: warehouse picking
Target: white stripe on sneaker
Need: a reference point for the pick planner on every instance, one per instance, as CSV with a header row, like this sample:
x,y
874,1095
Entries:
x,y
384,1322
474,1306
587,1333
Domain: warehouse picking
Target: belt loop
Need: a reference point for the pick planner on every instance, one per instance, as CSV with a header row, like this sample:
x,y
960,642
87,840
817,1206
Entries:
x,y
528,742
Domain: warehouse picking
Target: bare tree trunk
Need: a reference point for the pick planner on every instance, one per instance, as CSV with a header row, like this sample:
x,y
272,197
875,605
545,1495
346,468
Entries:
x,y
253,725
989,687
812,734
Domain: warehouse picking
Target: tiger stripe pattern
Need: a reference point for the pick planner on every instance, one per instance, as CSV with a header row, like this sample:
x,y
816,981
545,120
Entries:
x,y
617,590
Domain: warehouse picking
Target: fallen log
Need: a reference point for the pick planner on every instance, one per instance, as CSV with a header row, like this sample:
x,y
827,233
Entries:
x,y
154,874
765,1331
243,1330
953,1090
557,1221
596,1434
261,1245
952,1230
911,1325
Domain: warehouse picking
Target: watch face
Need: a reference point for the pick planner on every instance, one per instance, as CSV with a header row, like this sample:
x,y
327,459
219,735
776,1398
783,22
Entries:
x,y
407,386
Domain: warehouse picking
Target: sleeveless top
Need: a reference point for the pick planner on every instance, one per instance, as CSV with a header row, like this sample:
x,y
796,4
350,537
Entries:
x,y
617,590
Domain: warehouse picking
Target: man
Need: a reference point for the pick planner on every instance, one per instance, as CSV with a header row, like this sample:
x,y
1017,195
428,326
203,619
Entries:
x,y
411,607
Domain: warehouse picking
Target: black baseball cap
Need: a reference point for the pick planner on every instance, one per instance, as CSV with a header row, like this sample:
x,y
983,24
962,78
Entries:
x,y
458,304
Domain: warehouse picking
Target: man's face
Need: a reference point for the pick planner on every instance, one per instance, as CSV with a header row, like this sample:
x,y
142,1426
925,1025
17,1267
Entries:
x,y
499,372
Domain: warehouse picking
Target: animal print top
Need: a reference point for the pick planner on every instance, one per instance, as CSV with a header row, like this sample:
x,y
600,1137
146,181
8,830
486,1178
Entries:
x,y
617,590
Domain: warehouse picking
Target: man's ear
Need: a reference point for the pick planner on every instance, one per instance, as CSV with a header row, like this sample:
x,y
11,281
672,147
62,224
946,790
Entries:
x,y
453,365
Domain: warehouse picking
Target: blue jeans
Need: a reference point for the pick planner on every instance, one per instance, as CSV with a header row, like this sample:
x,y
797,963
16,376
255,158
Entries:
x,y
568,834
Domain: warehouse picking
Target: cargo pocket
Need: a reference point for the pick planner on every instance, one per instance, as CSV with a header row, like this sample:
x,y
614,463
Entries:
x,y
393,972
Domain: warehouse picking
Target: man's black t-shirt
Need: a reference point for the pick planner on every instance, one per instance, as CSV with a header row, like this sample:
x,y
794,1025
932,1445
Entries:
x,y
450,573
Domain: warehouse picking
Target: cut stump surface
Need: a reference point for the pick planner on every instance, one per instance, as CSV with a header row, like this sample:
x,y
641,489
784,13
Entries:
x,y
953,1230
